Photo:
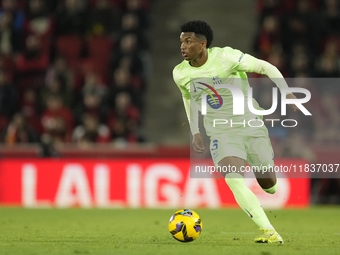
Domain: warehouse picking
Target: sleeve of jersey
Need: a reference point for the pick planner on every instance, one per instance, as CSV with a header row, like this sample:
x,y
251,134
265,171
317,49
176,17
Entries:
x,y
192,112
250,64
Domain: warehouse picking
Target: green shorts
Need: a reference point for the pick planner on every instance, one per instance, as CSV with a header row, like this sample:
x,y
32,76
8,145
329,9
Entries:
x,y
251,144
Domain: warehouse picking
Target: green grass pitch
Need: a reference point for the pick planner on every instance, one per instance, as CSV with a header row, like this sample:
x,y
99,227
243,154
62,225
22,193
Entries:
x,y
145,231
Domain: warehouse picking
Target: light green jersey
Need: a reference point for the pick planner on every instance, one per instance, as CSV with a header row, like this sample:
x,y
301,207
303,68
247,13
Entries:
x,y
224,66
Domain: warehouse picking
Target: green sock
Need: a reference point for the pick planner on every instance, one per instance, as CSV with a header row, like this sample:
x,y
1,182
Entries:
x,y
246,199
273,189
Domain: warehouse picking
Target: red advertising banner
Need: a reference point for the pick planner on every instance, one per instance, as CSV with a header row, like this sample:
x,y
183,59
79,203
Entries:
x,y
151,183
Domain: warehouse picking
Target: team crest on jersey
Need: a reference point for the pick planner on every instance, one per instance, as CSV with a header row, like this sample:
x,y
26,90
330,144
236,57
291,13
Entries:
x,y
217,80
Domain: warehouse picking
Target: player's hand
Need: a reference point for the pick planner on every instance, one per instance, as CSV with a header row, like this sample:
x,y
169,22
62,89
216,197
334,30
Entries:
x,y
198,143
291,96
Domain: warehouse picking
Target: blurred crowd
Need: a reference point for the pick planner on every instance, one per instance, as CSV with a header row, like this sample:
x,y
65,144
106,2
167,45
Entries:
x,y
73,71
302,38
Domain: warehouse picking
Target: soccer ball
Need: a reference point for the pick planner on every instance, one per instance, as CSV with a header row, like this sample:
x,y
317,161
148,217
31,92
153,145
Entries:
x,y
185,225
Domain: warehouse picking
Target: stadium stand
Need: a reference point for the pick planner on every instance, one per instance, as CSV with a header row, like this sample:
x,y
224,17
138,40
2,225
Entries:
x,y
302,39
71,71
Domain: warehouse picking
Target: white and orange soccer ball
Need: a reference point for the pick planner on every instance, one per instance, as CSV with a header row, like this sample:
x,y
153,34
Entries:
x,y
185,225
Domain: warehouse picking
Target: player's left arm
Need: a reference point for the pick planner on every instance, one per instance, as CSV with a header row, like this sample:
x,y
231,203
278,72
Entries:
x,y
248,63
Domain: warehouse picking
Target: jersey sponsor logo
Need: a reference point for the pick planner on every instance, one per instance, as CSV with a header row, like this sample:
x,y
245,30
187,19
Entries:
x,y
214,100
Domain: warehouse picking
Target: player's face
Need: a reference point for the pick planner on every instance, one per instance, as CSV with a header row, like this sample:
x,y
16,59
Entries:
x,y
191,46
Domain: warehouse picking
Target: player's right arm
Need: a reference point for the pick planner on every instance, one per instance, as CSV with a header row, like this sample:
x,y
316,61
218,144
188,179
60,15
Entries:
x,y
192,114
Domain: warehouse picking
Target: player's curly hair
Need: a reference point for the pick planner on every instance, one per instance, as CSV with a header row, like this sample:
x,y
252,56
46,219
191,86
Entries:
x,y
200,28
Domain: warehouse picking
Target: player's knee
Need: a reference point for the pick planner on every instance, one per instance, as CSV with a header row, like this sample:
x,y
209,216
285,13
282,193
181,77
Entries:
x,y
234,180
273,189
